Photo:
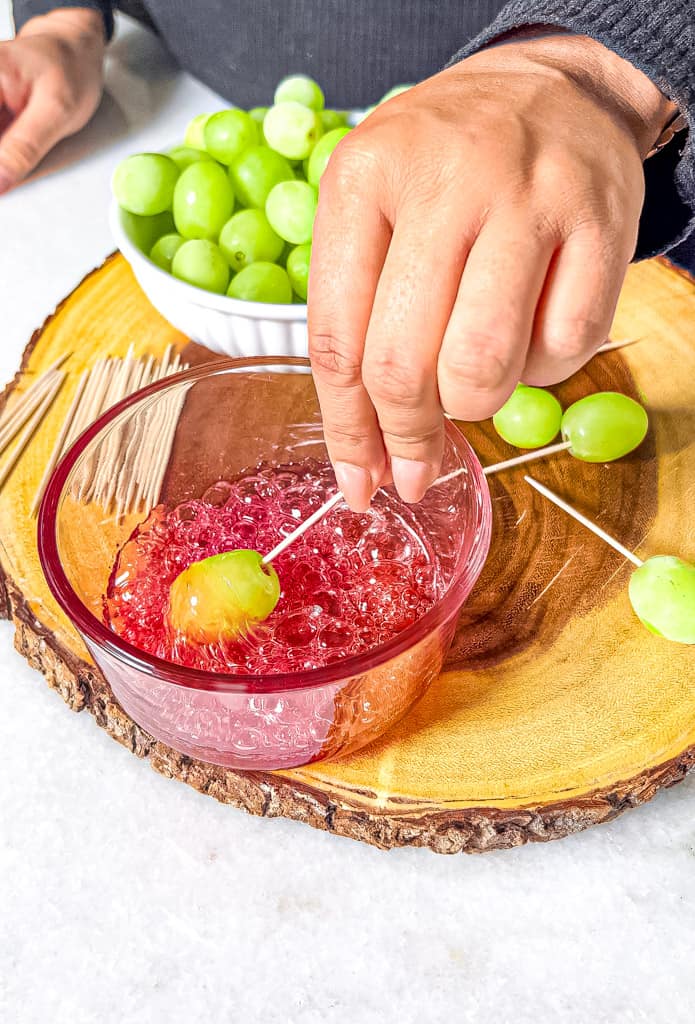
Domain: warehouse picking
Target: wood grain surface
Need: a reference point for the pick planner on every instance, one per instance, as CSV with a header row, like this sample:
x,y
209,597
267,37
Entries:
x,y
556,709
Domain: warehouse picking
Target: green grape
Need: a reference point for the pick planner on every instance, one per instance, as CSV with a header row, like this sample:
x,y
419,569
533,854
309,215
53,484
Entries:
x,y
301,89
220,597
321,153
194,135
258,115
604,426
662,593
529,418
144,183
143,232
184,156
247,238
396,91
203,200
298,269
229,133
291,208
201,263
164,250
255,172
331,119
292,129
261,282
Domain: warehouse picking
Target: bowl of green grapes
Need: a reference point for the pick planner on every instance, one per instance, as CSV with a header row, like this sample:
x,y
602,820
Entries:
x,y
218,228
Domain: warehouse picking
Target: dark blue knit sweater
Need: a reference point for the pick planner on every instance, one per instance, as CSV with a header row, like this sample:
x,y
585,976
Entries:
x,y
357,49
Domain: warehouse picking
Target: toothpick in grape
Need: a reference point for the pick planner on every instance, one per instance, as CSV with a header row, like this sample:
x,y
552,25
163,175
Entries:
x,y
661,588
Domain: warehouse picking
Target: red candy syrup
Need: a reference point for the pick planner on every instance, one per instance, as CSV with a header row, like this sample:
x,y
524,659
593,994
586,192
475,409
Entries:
x,y
350,583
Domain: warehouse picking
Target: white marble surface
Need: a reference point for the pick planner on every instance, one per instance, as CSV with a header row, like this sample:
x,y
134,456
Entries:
x,y
126,898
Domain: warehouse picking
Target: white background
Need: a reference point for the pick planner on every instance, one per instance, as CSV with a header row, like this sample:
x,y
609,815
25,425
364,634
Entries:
x,y
127,898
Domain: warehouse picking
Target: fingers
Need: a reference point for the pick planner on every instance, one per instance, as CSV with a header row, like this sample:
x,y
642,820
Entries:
x,y
414,298
34,131
350,241
576,308
489,331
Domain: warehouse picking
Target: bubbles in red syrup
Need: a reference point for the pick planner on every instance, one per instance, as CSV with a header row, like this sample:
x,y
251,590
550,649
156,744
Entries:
x,y
349,583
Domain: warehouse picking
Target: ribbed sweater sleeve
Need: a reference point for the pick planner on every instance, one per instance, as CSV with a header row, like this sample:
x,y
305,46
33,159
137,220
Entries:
x,y
23,10
658,37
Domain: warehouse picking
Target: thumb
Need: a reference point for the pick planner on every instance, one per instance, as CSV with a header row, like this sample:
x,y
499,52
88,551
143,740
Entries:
x,y
28,138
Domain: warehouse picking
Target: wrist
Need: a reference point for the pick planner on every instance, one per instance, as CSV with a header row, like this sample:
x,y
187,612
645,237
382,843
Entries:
x,y
612,80
76,26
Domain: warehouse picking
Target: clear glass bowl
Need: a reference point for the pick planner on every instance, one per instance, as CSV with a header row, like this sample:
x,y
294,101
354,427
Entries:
x,y
211,423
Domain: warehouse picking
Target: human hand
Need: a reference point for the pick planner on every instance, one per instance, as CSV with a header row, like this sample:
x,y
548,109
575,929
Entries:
x,y
50,82
471,233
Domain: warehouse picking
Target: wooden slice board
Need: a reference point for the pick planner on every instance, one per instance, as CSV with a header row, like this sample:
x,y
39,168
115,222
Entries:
x,y
556,710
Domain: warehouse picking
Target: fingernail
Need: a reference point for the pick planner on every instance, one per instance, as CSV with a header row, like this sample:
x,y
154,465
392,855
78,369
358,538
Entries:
x,y
411,478
356,484
5,181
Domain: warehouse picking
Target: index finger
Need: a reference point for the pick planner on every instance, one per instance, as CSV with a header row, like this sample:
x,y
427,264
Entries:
x,y
351,237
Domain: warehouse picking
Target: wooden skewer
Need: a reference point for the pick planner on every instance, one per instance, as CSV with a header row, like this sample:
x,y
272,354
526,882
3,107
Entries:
x,y
100,387
610,346
169,435
156,436
30,428
23,409
106,480
59,446
487,470
303,527
88,407
142,445
616,545
17,409
57,363
518,460
160,423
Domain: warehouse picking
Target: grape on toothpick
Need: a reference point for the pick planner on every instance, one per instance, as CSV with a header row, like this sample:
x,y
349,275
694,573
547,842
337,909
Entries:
x,y
530,418
602,427
661,589
221,597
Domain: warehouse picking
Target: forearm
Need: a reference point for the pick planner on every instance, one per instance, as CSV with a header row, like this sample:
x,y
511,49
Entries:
x,y
642,54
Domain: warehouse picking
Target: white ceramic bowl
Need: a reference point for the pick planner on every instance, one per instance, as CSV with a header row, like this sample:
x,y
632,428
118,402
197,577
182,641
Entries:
x,y
230,326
